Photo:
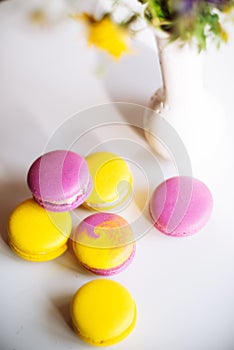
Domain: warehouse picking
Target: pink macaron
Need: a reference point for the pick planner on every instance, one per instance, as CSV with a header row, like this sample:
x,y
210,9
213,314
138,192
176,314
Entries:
x,y
59,180
181,206
104,243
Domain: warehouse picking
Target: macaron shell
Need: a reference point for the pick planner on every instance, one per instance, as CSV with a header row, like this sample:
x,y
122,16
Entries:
x,y
39,257
68,206
104,243
103,312
112,180
181,206
123,199
58,176
36,234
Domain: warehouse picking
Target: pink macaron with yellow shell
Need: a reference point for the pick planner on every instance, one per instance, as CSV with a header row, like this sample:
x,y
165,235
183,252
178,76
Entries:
x,y
104,243
59,180
181,206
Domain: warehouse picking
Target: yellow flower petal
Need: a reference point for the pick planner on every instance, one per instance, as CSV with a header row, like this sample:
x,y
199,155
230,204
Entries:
x,y
106,35
38,16
224,36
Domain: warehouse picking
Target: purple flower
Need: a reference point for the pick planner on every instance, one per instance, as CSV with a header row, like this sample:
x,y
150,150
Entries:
x,y
218,2
185,6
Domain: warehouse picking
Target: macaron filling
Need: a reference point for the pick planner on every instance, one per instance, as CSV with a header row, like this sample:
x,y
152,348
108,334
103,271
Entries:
x,y
121,198
72,200
43,256
107,342
113,270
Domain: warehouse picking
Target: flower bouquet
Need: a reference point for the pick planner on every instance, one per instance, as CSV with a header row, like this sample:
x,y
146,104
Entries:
x,y
183,29
193,21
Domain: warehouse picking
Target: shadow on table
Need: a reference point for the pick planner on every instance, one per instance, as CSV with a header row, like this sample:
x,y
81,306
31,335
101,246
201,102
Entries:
x,y
61,307
12,193
133,115
132,79
68,261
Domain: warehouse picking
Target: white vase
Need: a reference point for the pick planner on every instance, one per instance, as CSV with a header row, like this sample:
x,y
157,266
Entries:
x,y
183,102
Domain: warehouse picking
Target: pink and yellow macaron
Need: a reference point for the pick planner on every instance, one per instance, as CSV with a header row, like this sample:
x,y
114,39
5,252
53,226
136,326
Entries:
x,y
104,243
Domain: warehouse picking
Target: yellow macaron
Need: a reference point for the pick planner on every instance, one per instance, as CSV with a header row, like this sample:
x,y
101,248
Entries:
x,y
36,234
103,312
112,181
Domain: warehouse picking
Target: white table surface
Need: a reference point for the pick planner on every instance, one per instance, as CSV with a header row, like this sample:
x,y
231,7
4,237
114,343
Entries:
x,y
184,288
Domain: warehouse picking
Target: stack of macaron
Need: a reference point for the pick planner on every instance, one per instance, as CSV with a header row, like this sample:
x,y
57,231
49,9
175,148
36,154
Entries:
x,y
103,242
39,228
